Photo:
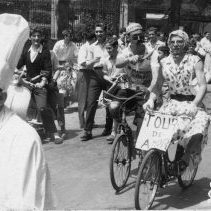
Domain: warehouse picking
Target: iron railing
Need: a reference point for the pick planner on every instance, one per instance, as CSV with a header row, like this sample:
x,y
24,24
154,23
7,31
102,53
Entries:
x,y
76,14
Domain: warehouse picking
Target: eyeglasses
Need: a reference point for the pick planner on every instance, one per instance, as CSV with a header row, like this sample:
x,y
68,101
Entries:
x,y
178,42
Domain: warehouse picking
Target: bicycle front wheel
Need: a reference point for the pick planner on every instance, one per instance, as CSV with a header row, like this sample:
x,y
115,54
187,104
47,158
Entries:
x,y
148,180
120,162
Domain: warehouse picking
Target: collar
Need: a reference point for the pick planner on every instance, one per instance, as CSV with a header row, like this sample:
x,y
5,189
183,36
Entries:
x,y
39,50
170,59
69,44
97,43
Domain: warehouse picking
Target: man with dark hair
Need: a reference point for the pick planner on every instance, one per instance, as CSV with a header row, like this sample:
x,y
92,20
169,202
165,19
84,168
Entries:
x,y
96,82
65,49
83,76
153,42
39,71
205,42
122,38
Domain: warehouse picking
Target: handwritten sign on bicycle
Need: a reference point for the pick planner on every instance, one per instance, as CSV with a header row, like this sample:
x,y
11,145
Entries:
x,y
156,132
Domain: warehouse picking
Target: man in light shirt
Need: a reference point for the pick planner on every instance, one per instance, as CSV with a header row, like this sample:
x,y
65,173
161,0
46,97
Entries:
x,y
205,42
96,82
154,43
122,39
66,50
83,76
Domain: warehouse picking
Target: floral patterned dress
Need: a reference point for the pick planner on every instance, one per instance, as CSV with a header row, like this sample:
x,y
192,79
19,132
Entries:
x,y
179,80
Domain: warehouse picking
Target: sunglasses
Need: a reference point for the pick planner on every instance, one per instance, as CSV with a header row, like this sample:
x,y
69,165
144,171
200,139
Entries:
x,y
137,37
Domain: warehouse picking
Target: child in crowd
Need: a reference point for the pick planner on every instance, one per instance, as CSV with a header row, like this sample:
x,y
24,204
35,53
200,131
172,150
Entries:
x,y
110,73
163,52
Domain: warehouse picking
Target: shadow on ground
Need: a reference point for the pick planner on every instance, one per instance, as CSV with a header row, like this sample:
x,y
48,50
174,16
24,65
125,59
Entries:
x,y
71,134
181,199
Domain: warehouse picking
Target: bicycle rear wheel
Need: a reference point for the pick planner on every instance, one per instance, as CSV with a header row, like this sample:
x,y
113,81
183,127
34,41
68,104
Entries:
x,y
120,161
186,178
148,180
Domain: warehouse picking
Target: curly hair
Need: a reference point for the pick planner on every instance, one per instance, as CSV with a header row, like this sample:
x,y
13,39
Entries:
x,y
36,29
112,41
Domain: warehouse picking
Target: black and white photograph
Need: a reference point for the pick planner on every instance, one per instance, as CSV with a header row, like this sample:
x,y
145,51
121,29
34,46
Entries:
x,y
105,105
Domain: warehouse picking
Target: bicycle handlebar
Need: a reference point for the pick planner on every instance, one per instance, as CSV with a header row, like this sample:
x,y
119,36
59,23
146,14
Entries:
x,y
139,94
150,111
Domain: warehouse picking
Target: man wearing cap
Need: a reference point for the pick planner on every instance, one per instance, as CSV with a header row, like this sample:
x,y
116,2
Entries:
x,y
24,177
135,60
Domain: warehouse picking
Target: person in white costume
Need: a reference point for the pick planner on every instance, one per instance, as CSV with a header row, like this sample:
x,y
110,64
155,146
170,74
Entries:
x,y
24,174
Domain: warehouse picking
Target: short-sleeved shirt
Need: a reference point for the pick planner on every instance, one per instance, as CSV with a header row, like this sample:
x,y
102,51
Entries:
x,y
98,50
179,77
65,52
83,55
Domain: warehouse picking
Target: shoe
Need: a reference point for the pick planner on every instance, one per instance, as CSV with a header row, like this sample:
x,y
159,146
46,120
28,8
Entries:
x,y
110,139
86,136
63,134
106,132
58,139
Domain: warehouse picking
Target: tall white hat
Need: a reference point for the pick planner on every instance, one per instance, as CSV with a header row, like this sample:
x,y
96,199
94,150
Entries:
x,y
14,32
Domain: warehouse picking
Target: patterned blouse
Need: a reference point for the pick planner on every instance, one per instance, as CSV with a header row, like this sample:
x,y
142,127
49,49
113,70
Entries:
x,y
179,77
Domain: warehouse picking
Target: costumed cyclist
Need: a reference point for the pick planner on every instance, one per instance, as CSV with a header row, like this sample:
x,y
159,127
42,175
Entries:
x,y
136,63
178,70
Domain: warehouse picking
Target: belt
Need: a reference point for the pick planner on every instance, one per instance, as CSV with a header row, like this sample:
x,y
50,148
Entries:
x,y
62,62
181,97
98,68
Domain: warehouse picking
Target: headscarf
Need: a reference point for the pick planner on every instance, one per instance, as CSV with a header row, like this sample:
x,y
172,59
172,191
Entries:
x,y
179,33
132,27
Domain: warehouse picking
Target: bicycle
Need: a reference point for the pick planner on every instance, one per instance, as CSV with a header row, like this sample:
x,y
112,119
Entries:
x,y
123,146
163,161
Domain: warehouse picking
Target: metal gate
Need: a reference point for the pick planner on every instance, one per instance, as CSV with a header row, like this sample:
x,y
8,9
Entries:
x,y
80,15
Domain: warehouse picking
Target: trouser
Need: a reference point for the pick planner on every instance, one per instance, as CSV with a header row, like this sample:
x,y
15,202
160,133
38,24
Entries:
x,y
109,120
82,92
96,85
135,104
39,96
56,102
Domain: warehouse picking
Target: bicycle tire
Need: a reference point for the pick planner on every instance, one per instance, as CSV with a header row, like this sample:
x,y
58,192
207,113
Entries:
x,y
152,157
186,184
120,162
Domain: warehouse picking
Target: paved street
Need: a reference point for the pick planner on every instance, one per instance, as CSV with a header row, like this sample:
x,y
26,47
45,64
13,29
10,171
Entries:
x,y
80,174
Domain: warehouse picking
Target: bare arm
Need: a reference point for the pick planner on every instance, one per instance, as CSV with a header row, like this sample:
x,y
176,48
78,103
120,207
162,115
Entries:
x,y
156,84
201,83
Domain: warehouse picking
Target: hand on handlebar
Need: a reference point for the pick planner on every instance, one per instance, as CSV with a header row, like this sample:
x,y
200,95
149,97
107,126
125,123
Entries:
x,y
149,105
27,83
39,85
133,59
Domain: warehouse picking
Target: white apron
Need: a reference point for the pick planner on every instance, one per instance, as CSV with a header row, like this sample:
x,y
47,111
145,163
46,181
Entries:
x,y
24,174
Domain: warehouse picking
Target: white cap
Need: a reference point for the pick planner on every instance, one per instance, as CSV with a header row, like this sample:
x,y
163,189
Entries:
x,y
132,27
14,32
